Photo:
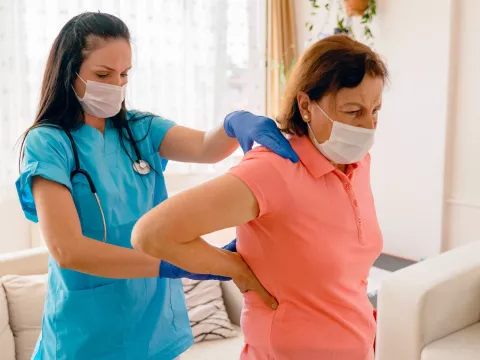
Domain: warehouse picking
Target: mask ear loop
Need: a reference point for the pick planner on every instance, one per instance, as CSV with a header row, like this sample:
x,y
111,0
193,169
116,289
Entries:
x,y
81,78
73,88
324,113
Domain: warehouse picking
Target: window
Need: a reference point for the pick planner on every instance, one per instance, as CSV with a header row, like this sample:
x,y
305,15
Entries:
x,y
194,62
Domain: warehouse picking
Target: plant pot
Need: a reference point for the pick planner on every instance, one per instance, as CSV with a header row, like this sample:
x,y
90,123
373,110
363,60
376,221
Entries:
x,y
355,7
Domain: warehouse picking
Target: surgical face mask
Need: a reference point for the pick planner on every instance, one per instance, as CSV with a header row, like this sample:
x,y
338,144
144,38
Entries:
x,y
101,100
347,144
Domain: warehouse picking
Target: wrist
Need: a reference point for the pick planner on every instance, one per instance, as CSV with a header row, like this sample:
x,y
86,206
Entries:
x,y
227,127
229,119
237,267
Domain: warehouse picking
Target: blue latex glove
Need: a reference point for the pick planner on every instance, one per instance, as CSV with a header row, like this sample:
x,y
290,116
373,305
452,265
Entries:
x,y
170,271
249,128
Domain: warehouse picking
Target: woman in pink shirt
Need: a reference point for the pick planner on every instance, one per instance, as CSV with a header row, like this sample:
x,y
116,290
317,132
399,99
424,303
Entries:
x,y
307,230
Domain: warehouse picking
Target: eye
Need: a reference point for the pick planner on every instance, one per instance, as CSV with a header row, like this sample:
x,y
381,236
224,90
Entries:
x,y
124,75
352,113
375,112
102,76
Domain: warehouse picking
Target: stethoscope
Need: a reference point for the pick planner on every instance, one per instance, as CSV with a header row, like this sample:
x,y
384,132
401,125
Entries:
x,y
140,166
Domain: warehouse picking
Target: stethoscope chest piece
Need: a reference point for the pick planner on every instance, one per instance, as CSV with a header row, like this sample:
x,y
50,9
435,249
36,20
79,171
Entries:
x,y
141,167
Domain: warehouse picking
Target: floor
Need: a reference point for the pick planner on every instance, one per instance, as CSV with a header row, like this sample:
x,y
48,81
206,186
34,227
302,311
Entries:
x,y
383,267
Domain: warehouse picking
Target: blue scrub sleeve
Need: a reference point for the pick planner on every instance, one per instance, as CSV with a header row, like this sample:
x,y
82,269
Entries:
x,y
158,129
47,154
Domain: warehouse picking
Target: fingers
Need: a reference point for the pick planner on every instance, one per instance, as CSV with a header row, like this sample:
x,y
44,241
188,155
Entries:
x,y
232,246
280,146
246,145
266,297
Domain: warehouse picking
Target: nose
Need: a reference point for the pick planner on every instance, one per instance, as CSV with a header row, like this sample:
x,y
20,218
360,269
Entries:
x,y
370,122
117,80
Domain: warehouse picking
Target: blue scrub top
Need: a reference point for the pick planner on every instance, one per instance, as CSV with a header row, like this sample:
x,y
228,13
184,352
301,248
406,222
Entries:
x,y
89,317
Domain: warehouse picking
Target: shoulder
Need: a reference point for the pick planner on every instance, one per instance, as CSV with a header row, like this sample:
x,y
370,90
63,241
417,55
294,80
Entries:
x,y
46,132
46,138
149,125
263,166
264,173
146,120
264,157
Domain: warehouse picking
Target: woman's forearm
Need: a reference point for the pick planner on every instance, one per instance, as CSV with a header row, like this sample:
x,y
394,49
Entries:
x,y
196,256
100,259
194,146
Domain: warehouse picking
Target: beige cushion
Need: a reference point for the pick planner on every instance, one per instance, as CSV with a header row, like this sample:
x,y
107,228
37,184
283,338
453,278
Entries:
x,y
216,349
7,344
25,296
206,310
463,344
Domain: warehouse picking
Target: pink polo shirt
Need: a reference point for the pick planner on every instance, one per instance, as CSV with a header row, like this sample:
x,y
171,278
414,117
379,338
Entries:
x,y
312,247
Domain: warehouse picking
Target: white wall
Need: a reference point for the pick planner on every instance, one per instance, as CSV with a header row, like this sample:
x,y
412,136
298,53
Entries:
x,y
409,156
462,210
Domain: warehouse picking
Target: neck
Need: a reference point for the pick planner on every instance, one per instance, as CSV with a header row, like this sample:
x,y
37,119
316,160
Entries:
x,y
341,167
95,122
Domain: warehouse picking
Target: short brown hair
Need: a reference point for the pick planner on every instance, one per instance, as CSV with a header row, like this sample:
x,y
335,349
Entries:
x,y
329,65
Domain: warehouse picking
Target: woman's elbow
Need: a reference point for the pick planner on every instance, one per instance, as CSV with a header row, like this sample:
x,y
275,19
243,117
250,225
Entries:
x,y
63,255
142,240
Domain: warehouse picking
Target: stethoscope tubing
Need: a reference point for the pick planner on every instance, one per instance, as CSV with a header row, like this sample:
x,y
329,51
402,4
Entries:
x,y
140,166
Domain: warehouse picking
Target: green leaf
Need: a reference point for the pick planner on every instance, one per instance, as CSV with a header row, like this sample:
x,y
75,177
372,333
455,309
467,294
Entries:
x,y
313,13
368,33
310,28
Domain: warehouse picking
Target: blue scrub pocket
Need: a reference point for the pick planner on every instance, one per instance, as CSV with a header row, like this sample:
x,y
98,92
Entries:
x,y
89,323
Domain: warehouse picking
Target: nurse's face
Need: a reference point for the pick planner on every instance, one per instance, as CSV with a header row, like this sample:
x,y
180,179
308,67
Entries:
x,y
109,63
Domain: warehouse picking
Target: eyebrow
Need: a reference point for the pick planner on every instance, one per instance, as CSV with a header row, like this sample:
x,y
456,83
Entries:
x,y
109,68
353,103
358,104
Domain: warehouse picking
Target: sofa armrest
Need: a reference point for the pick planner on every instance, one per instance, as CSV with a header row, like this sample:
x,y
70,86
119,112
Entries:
x,y
233,299
25,262
427,301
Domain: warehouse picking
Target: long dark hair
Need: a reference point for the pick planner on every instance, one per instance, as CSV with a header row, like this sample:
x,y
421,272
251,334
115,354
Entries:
x,y
58,103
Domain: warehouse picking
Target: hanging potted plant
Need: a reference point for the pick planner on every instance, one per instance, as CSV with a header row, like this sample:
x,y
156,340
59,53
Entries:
x,y
355,7
346,9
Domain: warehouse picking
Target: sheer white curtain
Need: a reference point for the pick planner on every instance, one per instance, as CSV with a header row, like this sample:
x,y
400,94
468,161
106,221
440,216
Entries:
x,y
194,61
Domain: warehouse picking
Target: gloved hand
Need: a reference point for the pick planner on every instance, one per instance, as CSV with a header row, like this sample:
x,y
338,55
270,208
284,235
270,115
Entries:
x,y
171,271
249,128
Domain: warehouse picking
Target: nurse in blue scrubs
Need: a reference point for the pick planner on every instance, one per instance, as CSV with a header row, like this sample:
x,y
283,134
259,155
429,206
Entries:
x,y
90,169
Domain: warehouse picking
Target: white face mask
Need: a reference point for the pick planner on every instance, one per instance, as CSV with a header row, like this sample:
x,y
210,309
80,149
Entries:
x,y
101,100
347,144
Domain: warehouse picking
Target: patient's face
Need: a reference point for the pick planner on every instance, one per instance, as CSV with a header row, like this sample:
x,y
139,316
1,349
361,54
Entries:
x,y
353,106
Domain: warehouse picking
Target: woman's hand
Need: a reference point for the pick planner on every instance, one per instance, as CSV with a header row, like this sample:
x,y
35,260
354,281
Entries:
x,y
246,281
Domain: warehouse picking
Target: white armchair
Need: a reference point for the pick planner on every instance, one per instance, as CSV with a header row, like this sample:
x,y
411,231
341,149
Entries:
x,y
431,310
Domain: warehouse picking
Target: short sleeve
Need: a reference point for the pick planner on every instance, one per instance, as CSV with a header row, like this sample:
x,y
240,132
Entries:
x,y
261,171
158,130
46,155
